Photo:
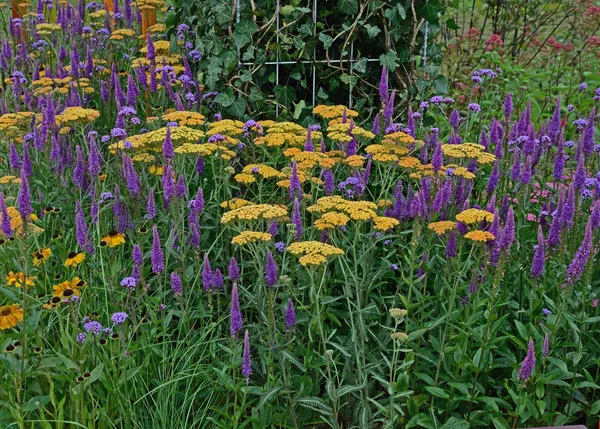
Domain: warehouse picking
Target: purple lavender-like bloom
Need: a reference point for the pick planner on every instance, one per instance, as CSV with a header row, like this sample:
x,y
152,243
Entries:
x,y
81,231
295,185
554,130
546,346
5,224
595,215
329,182
136,255
131,178
24,198
383,86
176,284
568,210
119,318
388,112
376,128
308,144
246,360
494,178
559,161
168,185
151,51
156,256
290,317
577,265
451,250
580,174
410,123
207,274
483,140
537,267
526,174
528,364
167,148
218,279
508,107
235,319
27,167
271,271
515,171
181,189
13,157
297,219
438,157
151,206
508,233
233,270
588,134
454,119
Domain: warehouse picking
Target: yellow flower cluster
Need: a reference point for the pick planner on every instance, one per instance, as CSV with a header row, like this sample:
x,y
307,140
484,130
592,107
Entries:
x,y
122,33
263,170
356,210
171,60
187,118
226,127
10,180
481,236
442,227
205,149
386,152
384,223
235,203
355,160
331,220
471,216
302,175
153,140
14,125
398,137
339,132
47,85
246,237
308,160
313,252
470,151
255,212
45,29
281,133
74,115
162,47
332,112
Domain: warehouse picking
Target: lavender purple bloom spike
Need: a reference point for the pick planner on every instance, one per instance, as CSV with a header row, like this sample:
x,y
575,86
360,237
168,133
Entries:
x,y
508,232
5,223
271,276
235,322
580,260
24,198
528,364
233,270
176,284
290,317
537,267
297,219
156,256
246,359
207,274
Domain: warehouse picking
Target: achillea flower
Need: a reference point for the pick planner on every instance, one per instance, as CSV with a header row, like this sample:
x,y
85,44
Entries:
x,y
156,255
290,317
246,359
537,267
235,322
207,274
271,276
176,285
528,364
233,270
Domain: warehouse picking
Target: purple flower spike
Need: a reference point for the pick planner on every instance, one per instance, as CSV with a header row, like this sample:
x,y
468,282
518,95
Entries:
x,y
176,284
246,360
528,364
579,262
297,220
537,268
508,233
167,148
234,270
235,322
271,271
207,274
156,256
24,198
5,223
290,317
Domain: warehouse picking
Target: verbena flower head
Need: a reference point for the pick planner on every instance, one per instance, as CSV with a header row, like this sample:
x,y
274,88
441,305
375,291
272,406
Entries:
x,y
119,318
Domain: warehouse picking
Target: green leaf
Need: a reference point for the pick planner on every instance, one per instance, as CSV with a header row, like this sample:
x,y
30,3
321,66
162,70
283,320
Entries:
x,y
372,31
454,423
441,84
451,24
285,95
349,7
238,107
437,392
326,39
35,403
430,10
226,98
298,107
360,66
243,32
389,60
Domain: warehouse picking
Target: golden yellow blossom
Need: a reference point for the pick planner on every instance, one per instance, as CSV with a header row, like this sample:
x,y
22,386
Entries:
x,y
255,212
246,237
442,226
384,223
470,216
481,236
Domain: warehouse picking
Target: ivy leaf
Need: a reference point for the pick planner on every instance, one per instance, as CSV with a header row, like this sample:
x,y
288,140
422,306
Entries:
x,y
349,7
451,24
372,31
349,79
441,84
243,32
226,98
430,10
285,95
298,108
360,66
326,39
238,107
389,60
